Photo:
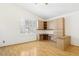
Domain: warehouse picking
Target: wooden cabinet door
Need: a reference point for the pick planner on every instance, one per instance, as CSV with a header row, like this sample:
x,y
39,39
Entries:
x,y
40,24
60,27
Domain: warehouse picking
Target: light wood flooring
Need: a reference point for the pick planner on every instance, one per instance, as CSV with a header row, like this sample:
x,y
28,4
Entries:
x,y
38,48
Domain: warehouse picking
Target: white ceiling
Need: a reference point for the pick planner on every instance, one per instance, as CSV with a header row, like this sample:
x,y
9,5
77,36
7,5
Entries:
x,y
51,10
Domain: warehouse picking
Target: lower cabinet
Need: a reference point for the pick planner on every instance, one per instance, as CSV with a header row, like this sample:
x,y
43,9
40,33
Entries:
x,y
63,42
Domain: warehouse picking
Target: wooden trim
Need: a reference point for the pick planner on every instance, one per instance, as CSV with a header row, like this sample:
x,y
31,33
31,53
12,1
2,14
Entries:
x,y
63,26
18,43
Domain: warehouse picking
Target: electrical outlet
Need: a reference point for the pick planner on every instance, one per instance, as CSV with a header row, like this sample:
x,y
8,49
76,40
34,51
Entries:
x,y
3,41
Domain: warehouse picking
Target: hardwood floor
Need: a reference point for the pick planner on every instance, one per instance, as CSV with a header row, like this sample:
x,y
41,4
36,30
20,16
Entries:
x,y
38,48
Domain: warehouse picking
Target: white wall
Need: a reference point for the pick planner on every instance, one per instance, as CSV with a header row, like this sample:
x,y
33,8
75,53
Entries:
x,y
72,27
10,16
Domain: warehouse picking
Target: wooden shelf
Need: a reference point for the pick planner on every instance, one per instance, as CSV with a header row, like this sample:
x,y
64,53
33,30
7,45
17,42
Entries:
x,y
46,29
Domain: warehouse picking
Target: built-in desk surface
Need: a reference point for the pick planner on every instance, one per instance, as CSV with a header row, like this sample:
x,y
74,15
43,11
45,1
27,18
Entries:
x,y
47,31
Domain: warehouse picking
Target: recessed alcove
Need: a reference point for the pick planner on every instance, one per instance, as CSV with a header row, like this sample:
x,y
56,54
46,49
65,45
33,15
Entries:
x,y
51,28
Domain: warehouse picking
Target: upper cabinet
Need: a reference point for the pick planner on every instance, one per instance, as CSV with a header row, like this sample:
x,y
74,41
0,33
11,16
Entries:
x,y
61,27
52,24
40,24
58,26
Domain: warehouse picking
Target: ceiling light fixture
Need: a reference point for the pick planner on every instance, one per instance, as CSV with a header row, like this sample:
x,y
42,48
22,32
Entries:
x,y
46,3
42,3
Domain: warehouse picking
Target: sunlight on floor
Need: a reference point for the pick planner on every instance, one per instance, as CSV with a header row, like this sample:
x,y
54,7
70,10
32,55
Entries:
x,y
38,48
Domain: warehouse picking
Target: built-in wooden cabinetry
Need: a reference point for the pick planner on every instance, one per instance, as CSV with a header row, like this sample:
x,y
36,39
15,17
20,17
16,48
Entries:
x,y
40,24
44,37
63,42
58,27
45,25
